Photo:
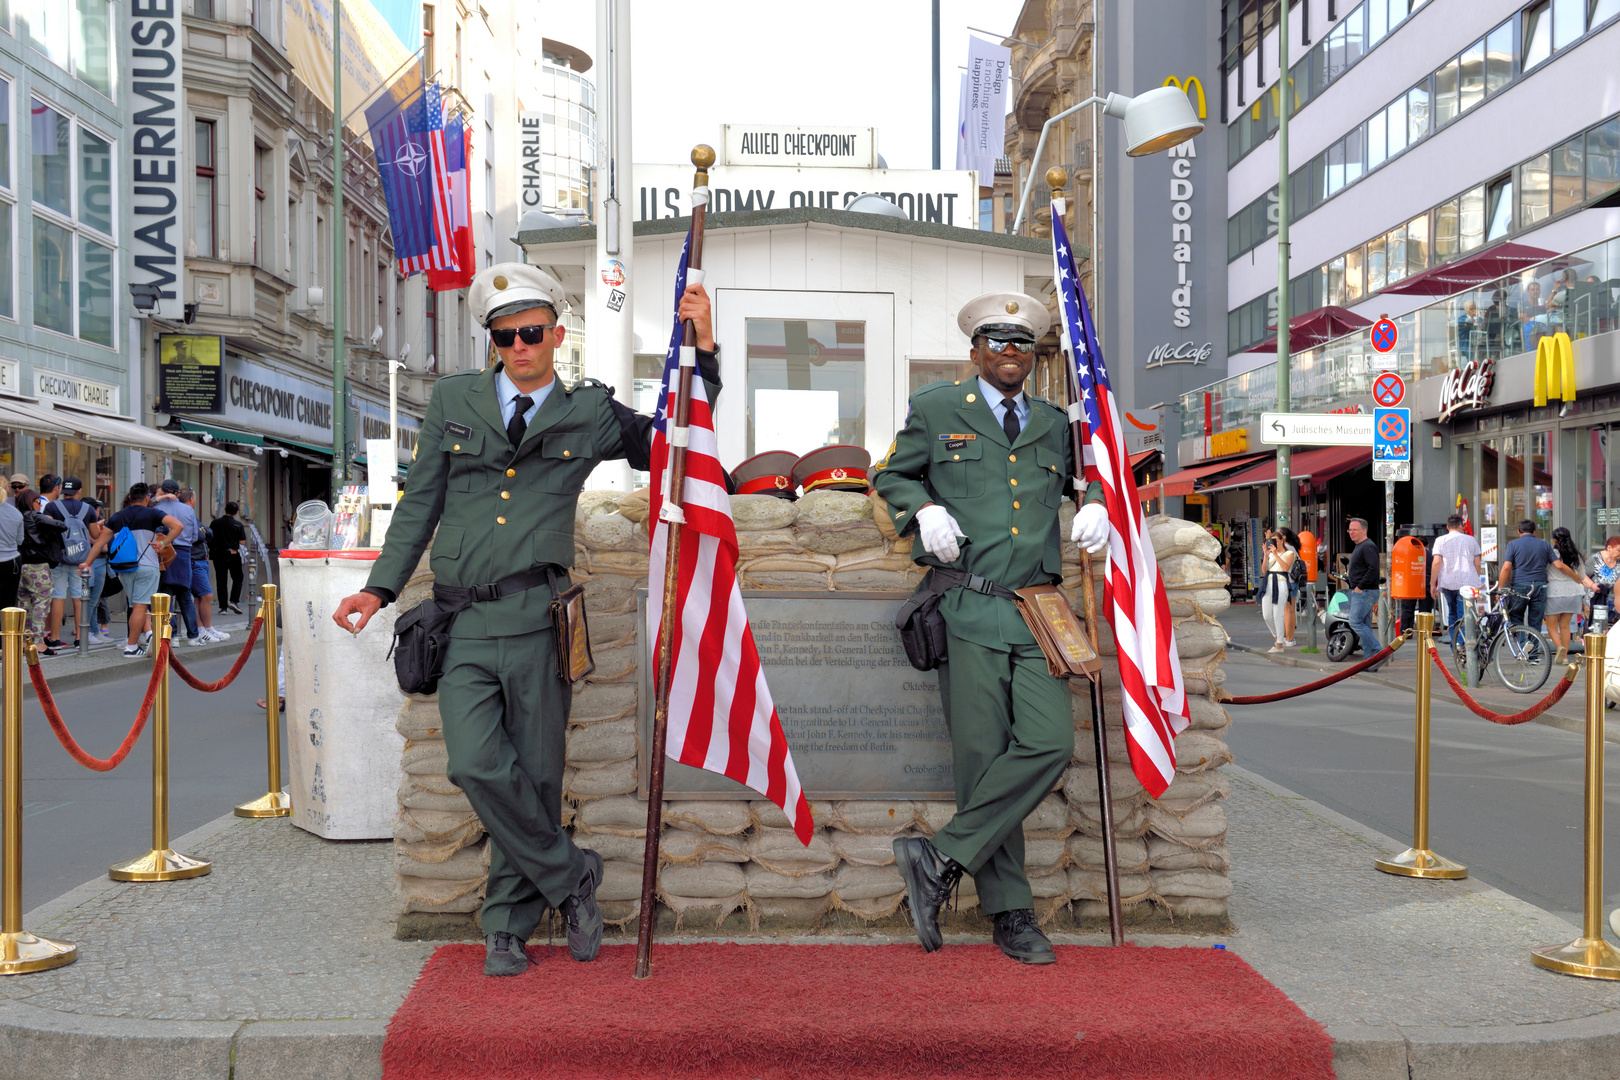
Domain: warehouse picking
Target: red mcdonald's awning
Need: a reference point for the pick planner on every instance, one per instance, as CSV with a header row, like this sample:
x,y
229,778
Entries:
x,y
1185,482
1318,465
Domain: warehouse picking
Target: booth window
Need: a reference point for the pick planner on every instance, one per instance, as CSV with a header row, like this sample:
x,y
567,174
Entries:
x,y
806,384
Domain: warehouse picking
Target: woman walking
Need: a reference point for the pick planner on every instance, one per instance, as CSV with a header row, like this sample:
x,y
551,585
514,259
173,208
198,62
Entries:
x,y
1274,597
1604,570
1566,591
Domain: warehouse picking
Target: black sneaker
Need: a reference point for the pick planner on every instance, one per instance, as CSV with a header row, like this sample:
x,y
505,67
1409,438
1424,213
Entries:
x,y
236,609
1019,936
504,954
581,913
929,878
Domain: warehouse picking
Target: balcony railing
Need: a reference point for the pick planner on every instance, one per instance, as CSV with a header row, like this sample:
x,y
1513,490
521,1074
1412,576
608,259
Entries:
x,y
1573,293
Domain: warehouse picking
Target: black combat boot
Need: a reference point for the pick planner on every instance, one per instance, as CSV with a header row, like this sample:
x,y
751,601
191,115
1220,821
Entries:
x,y
929,878
582,914
1019,936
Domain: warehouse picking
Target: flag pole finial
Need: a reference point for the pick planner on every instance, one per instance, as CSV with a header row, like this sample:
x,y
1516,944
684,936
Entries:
x,y
1056,178
702,157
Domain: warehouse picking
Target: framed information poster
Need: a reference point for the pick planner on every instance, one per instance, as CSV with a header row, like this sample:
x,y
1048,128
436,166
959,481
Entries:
x,y
190,368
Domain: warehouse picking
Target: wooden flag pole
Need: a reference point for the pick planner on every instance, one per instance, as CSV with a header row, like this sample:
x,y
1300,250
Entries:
x,y
1056,179
680,417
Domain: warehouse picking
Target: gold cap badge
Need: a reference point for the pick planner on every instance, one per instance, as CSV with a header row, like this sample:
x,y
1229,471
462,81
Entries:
x,y
499,282
1012,306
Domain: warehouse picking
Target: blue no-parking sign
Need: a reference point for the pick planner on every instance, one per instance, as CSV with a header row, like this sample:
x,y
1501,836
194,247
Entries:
x,y
1392,434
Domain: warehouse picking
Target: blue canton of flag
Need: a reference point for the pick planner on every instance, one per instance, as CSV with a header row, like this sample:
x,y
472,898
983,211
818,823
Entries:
x,y
672,358
403,123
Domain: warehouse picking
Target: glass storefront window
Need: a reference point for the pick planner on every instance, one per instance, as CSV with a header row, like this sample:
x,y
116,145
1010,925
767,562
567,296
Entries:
x,y
53,276
78,460
106,481
8,454
1490,483
44,457
1541,481
806,384
1395,262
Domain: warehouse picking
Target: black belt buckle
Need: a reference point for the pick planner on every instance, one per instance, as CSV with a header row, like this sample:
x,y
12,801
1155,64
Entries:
x,y
979,584
484,593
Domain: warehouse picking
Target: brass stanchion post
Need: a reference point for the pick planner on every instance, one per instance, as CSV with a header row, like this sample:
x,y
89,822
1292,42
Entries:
x,y
1418,860
276,803
1589,956
160,864
20,951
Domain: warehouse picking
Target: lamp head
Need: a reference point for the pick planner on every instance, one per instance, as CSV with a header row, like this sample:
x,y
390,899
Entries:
x,y
1155,120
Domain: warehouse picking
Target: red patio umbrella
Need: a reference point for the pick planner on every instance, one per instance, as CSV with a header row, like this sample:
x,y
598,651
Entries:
x,y
1314,327
1475,270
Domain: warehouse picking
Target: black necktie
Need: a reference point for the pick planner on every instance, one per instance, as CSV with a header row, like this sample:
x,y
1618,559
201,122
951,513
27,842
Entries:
x,y
1009,422
518,425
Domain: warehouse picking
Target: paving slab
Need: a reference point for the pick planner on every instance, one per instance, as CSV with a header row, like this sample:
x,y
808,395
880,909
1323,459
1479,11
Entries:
x,y
282,962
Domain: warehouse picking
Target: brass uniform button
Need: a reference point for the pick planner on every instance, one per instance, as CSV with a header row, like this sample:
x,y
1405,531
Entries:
x,y
1013,482
456,447
511,472
500,521
956,457
1012,457
1015,504
506,494
567,454
972,398
1015,530
1052,467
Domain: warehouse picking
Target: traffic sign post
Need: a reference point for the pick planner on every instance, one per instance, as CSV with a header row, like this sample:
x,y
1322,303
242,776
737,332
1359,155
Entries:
x,y
1392,434
1383,334
1392,456
1316,429
1388,389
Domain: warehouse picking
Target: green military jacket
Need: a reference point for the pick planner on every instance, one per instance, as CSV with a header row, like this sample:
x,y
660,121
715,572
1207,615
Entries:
x,y
1005,496
500,512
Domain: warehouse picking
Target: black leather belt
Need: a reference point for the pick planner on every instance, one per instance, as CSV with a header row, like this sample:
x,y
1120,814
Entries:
x,y
459,597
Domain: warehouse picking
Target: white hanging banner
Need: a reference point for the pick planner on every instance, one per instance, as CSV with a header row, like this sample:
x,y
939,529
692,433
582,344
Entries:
x,y
984,166
988,68
156,108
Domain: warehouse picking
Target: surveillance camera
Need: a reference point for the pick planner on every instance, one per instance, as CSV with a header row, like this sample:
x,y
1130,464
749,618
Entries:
x,y
145,297
376,336
405,352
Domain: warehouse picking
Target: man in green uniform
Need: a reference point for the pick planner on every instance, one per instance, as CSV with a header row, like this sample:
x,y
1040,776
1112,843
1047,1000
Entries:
x,y
500,462
982,461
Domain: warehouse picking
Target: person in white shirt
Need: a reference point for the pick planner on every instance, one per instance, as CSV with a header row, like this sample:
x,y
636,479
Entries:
x,y
1456,566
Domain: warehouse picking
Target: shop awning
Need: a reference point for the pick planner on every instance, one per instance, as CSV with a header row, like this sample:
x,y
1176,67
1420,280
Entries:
x,y
1314,327
1185,482
221,434
1137,459
121,432
1473,270
15,415
1318,465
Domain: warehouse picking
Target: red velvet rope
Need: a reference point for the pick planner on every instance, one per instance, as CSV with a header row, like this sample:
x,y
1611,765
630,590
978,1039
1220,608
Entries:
x,y
1479,710
63,736
230,676
1338,676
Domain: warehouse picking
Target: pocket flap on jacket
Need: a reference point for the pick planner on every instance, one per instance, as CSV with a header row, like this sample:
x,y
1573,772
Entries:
x,y
447,542
567,444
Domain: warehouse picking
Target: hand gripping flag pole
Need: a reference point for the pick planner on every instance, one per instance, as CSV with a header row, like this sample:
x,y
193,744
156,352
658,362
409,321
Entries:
x,y
680,414
1057,179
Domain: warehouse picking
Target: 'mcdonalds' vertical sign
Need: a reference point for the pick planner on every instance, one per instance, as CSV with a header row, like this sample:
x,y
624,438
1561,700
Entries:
x,y
157,136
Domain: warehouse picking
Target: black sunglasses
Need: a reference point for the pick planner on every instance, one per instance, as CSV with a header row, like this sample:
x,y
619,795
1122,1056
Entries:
x,y
531,335
998,347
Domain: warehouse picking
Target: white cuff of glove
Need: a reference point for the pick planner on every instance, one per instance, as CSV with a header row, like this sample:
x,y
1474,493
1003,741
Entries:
x,y
1090,529
938,532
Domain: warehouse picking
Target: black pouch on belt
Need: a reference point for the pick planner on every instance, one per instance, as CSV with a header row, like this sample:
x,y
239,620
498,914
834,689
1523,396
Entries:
x,y
422,634
922,624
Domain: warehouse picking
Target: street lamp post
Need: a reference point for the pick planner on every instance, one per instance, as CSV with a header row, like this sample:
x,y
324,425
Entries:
x,y
1285,454
340,465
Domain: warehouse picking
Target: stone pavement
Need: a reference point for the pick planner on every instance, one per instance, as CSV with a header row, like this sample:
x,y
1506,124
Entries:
x,y
282,962
1247,631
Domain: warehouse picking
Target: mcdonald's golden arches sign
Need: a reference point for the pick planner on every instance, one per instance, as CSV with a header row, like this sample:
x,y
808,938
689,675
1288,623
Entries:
x,y
1193,87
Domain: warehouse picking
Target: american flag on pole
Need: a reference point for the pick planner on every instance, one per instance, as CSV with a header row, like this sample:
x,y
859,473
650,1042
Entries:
x,y
1134,601
721,716
458,156
407,135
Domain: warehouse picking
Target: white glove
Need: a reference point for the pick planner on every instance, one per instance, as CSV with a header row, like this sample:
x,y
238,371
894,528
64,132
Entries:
x,y
1091,527
939,531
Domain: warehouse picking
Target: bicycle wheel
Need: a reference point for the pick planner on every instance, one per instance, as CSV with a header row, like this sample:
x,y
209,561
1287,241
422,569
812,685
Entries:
x,y
1523,659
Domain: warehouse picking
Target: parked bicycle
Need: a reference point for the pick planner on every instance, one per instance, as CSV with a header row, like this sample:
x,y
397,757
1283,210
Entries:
x,y
1522,654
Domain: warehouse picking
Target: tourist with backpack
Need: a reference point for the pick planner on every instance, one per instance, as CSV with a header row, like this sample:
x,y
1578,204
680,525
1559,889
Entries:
x,y
132,539
42,548
83,526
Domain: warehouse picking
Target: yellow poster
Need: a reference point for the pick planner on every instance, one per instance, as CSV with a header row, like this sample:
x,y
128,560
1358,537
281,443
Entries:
x,y
371,51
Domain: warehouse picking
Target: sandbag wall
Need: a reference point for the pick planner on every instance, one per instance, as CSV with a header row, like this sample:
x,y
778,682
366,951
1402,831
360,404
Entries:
x,y
722,857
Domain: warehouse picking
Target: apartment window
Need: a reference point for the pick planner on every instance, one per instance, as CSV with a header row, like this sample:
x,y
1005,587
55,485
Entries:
x,y
295,266
1566,174
1417,245
1445,94
1569,22
1601,11
1535,190
1499,57
202,9
1471,88
1603,159
77,36
1376,268
8,206
428,61
74,253
1537,37
1445,232
1499,202
1471,221
261,238
205,199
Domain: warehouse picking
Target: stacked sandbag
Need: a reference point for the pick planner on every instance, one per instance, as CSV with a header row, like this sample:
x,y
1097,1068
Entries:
x,y
725,857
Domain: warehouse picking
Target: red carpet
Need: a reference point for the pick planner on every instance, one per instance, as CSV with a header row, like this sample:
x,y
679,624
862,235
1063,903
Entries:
x,y
773,1012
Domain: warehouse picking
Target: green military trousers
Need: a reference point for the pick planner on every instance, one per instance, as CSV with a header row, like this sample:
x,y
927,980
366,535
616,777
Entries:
x,y
1012,735
505,715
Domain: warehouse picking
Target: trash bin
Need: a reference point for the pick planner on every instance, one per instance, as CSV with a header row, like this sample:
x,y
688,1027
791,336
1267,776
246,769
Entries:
x,y
342,701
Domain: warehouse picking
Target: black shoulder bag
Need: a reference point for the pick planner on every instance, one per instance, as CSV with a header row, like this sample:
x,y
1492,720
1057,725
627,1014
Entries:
x,y
922,626
422,634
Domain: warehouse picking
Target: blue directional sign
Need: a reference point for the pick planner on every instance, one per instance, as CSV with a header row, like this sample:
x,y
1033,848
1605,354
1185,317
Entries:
x,y
1392,434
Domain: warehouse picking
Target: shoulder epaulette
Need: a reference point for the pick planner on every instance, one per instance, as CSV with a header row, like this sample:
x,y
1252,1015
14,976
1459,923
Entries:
x,y
591,383
933,386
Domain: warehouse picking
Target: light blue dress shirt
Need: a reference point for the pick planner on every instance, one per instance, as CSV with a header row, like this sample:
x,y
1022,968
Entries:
x,y
999,404
508,392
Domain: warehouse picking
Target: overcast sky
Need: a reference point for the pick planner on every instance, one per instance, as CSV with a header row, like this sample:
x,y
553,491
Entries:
x,y
841,63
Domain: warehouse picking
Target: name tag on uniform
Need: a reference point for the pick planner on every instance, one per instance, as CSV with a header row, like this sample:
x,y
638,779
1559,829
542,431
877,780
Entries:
x,y
955,444
458,429
957,438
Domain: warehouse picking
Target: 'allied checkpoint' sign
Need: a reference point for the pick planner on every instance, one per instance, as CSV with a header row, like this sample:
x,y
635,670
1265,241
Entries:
x,y
862,723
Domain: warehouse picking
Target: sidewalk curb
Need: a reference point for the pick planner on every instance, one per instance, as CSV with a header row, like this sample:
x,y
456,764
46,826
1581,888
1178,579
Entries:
x,y
118,667
1575,725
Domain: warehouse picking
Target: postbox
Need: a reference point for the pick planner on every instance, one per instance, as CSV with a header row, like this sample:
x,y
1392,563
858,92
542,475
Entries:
x,y
1406,569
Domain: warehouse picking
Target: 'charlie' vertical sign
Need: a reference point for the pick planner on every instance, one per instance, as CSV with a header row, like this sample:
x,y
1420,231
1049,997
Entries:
x,y
157,140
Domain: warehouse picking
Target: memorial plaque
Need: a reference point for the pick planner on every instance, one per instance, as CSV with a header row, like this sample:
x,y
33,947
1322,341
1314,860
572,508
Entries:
x,y
862,723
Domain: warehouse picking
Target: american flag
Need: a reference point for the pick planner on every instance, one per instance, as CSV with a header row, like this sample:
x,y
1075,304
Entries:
x,y
1134,601
407,134
721,716
458,155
